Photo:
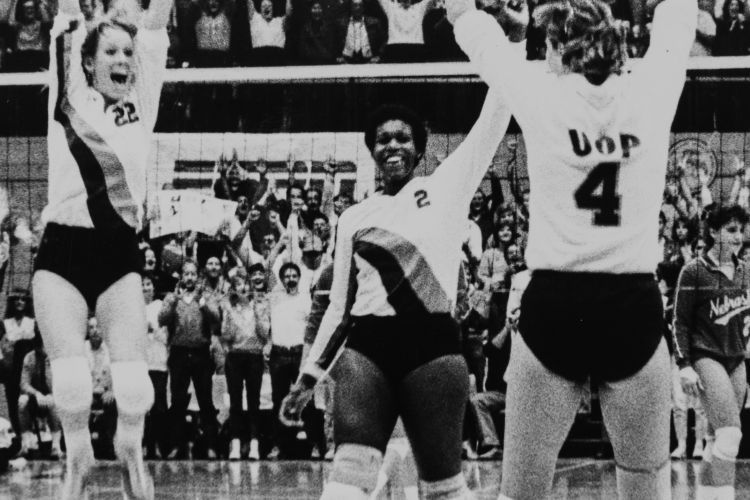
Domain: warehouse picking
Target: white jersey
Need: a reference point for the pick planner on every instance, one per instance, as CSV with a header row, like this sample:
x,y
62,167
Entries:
x,y
597,155
400,254
98,156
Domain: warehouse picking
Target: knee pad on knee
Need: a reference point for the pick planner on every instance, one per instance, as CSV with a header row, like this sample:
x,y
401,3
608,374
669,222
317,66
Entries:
x,y
72,388
727,443
131,385
357,465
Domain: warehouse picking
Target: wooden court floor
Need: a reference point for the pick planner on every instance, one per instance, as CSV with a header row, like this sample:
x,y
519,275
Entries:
x,y
198,480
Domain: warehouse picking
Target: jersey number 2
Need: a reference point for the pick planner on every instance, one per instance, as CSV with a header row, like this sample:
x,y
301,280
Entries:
x,y
606,204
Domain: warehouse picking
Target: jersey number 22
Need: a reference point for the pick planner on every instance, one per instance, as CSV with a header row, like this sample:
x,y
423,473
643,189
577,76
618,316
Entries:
x,y
606,204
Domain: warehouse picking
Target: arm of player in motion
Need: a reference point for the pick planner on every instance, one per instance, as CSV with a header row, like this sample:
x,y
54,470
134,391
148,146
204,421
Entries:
x,y
495,58
332,331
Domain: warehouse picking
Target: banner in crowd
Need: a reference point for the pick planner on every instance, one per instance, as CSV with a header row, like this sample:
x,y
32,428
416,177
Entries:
x,y
186,210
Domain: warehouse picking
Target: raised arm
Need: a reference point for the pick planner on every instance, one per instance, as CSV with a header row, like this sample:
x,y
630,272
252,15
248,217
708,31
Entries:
x,y
157,15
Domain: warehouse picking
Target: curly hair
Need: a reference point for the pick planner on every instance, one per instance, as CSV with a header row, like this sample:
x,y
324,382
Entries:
x,y
586,35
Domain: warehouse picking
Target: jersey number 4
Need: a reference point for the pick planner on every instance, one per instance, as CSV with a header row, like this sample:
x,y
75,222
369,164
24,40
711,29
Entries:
x,y
606,204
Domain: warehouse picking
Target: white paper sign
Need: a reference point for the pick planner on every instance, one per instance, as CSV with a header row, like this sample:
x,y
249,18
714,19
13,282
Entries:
x,y
185,210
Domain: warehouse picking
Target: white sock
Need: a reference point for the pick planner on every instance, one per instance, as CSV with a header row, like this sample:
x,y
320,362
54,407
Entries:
x,y
452,488
637,485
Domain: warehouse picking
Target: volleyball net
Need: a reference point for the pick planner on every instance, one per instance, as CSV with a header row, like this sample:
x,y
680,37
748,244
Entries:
x,y
300,118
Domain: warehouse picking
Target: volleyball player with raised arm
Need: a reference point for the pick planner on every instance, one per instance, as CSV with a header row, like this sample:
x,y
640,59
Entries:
x,y
104,91
394,288
597,140
711,325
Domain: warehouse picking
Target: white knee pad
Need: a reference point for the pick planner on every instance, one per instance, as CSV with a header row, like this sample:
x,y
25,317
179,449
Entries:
x,y
132,387
356,465
727,443
72,388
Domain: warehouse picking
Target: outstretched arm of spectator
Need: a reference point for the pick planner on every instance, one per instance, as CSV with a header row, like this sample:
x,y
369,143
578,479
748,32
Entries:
x,y
250,10
496,189
262,189
329,185
288,10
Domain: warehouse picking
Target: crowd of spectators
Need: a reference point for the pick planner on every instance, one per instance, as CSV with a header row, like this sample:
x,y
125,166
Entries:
x,y
222,33
229,313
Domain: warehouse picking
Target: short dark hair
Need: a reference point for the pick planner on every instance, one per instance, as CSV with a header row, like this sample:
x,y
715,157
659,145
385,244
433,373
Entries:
x,y
287,266
389,112
257,267
719,215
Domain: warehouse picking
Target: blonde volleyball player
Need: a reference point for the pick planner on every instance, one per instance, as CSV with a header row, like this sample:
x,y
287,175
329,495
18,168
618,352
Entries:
x,y
104,96
597,141
711,325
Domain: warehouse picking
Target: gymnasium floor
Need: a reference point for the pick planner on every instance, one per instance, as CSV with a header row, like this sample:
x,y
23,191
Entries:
x,y
197,480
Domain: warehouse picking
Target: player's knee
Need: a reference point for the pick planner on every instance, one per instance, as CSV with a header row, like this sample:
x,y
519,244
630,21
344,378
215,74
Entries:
x,y
132,387
72,388
357,465
727,443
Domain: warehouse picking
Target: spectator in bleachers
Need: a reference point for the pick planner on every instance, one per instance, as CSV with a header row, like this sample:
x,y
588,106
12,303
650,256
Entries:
x,y
684,232
104,409
245,229
267,33
233,182
317,38
212,283
186,317
438,36
156,356
405,31
245,323
289,309
705,32
732,31
213,33
27,37
36,400
360,38
19,332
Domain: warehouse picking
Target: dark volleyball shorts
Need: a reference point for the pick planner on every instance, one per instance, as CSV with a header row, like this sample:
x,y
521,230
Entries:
x,y
598,325
398,345
90,259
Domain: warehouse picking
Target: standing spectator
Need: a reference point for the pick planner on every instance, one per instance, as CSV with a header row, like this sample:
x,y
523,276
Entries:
x,y
732,32
36,399
233,183
213,284
360,39
213,32
705,32
289,309
245,323
103,407
405,34
28,36
267,33
246,230
156,357
19,326
185,315
316,40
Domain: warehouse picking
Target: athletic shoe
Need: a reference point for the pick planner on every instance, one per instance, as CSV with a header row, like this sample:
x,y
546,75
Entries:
x,y
698,450
468,452
253,450
329,454
234,449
